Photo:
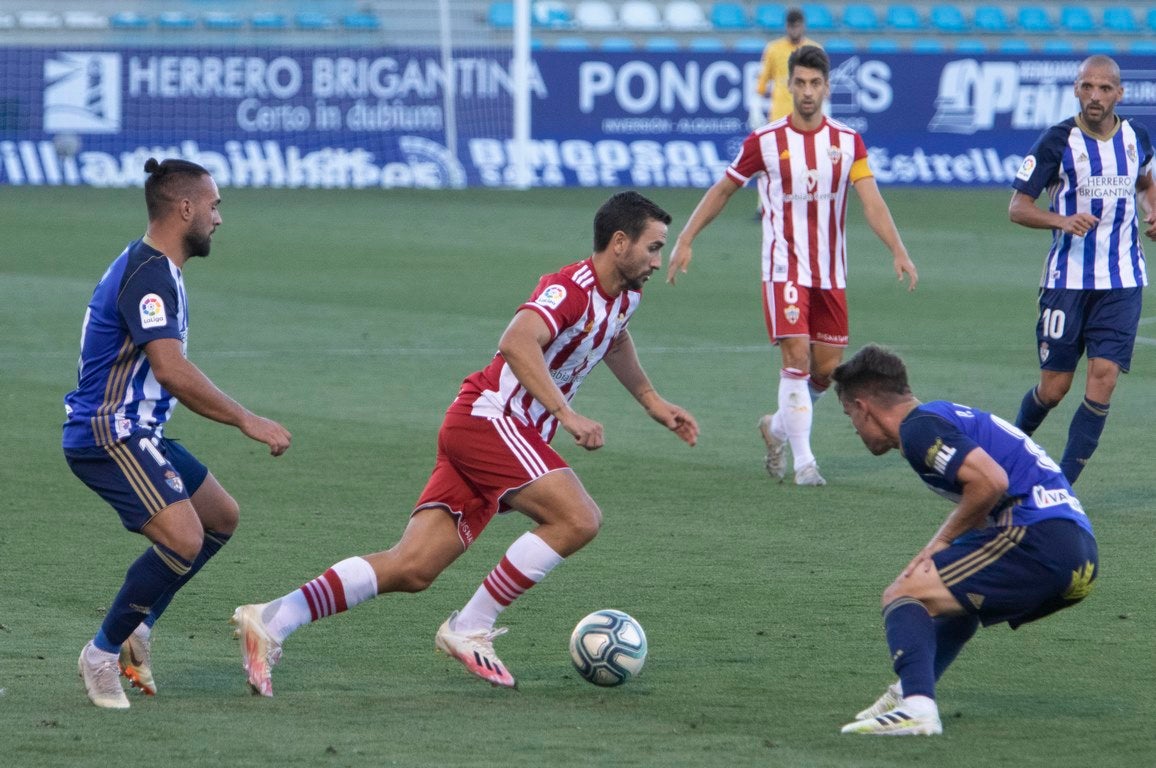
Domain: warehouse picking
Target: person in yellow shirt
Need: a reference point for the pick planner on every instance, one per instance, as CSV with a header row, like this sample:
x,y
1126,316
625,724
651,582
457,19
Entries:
x,y
774,70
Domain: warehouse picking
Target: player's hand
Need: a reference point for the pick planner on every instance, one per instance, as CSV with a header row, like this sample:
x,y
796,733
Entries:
x,y
679,261
587,432
923,559
268,432
905,266
1079,224
675,418
1150,220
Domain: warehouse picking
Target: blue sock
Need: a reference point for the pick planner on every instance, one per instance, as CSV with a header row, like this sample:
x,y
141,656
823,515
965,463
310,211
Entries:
x,y
1032,412
1083,437
214,540
951,634
911,637
148,578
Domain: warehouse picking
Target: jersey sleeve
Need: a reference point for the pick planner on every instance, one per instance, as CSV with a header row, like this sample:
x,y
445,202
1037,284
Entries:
x,y
1042,163
147,303
748,162
932,444
860,168
1146,150
559,301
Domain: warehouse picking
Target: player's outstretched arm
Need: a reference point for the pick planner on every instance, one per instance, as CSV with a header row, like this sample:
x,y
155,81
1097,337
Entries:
x,y
878,217
1023,210
201,396
622,360
708,208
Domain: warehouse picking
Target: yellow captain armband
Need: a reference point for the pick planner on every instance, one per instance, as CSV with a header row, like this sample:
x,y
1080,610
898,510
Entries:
x,y
860,170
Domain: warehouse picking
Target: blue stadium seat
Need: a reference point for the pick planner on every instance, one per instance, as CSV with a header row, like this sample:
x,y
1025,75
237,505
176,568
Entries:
x,y
928,45
1151,19
883,45
860,17
551,14
1077,19
840,45
729,16
664,44
706,45
617,44
1142,47
990,19
175,20
312,21
272,22
771,16
222,22
1120,19
1035,19
128,20
360,22
819,17
1107,47
903,18
947,18
970,45
1058,45
1014,45
749,45
501,15
571,44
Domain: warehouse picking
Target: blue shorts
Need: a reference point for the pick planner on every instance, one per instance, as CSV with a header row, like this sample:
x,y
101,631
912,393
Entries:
x,y
1022,573
139,476
1103,322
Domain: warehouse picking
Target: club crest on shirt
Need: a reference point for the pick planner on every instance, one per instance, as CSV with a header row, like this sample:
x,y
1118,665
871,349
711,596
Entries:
x,y
834,154
1044,352
152,312
791,313
1026,168
552,297
1131,152
173,480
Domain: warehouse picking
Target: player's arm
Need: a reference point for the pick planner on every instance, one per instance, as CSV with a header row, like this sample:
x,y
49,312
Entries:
x,y
708,208
1023,210
1147,197
521,346
878,217
196,392
622,360
766,73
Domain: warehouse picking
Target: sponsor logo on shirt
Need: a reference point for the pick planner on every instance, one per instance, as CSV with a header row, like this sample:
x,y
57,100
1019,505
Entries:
x,y
1054,497
552,297
939,456
1025,171
152,312
1107,187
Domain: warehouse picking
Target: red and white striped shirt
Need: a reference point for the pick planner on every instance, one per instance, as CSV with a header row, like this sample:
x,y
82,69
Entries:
x,y
806,177
583,322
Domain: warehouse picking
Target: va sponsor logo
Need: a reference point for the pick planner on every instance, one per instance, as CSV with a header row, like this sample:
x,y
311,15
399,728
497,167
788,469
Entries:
x,y
82,93
1033,94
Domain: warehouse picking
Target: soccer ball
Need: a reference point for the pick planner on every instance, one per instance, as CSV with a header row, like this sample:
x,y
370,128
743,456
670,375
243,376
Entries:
x,y
608,647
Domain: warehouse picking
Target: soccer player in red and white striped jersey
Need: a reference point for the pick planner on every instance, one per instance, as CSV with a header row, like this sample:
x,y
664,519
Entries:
x,y
494,454
805,164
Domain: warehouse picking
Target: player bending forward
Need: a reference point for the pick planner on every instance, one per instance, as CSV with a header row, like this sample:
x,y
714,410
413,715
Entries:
x,y
493,454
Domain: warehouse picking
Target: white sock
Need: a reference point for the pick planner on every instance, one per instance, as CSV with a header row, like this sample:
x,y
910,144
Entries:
x,y
795,407
343,586
920,705
527,562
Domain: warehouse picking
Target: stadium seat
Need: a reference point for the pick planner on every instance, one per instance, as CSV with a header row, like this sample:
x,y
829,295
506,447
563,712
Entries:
x,y
1142,47
571,44
706,45
312,21
1014,45
222,22
664,44
1058,45
860,17
617,44
686,16
1120,19
501,15
928,45
596,15
7,21
1107,47
272,22
39,20
1034,19
175,20
903,18
360,22
1151,19
749,45
729,16
819,17
990,19
85,20
840,45
883,45
771,16
947,18
1077,19
970,45
551,14
128,20
640,16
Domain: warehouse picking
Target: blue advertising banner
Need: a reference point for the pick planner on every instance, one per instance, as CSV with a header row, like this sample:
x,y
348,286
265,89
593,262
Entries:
x,y
325,118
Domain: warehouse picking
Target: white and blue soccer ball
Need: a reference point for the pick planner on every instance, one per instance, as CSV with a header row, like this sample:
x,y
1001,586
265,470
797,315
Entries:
x,y
608,647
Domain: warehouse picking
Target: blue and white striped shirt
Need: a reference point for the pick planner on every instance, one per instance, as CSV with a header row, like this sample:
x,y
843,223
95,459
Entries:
x,y
140,298
1085,175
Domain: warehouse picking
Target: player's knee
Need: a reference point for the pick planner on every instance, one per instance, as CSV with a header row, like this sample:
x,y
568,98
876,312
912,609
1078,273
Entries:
x,y
228,517
585,527
415,577
1051,391
187,544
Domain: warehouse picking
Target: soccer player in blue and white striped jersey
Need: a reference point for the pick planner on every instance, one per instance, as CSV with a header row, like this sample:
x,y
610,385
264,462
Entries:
x,y
1092,166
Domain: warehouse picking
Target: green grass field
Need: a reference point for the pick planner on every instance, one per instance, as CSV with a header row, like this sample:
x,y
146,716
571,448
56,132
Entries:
x,y
352,317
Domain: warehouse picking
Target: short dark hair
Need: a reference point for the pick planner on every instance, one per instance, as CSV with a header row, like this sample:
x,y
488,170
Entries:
x,y
811,57
872,371
169,181
795,16
627,212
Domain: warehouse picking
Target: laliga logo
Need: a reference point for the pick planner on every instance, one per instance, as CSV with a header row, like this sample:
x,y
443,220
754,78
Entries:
x,y
82,93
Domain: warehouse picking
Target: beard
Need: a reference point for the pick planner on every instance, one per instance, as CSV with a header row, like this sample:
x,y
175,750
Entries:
x,y
197,244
